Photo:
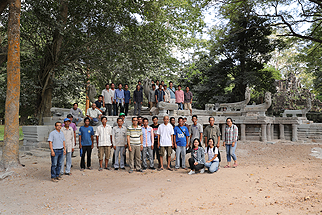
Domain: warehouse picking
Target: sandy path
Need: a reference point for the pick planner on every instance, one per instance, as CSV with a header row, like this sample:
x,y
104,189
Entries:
x,y
271,179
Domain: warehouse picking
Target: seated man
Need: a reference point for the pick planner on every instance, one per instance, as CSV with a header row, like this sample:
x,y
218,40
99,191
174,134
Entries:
x,y
100,104
94,114
76,113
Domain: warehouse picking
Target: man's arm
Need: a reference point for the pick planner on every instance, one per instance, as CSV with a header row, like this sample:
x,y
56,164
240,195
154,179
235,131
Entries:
x,y
128,142
51,148
80,141
64,147
173,137
187,141
141,139
158,140
174,141
75,137
218,141
97,137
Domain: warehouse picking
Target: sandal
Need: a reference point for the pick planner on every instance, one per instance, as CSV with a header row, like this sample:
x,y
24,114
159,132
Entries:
x,y
235,165
100,169
160,169
169,169
227,166
90,168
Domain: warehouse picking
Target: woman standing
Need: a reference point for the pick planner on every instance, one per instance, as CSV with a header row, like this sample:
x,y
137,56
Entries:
x,y
213,161
197,160
230,141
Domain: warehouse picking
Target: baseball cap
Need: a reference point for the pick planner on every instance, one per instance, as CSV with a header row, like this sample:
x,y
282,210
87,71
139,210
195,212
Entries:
x,y
185,117
122,114
66,119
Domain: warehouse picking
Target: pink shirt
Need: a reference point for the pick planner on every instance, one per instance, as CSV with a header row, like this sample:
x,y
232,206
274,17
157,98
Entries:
x,y
179,96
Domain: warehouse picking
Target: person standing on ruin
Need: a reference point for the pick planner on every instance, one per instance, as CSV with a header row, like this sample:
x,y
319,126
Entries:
x,y
127,99
167,94
138,100
179,98
172,92
107,99
188,100
119,99
151,97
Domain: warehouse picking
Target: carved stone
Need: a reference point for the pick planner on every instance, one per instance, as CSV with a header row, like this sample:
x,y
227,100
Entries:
x,y
91,93
237,105
147,86
261,108
299,112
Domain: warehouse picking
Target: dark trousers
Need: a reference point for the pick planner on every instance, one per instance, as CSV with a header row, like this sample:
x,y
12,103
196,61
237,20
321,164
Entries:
x,y
119,105
126,108
114,109
156,150
88,150
193,166
108,109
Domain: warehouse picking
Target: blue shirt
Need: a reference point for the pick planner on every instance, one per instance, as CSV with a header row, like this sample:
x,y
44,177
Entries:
x,y
127,96
86,135
57,138
159,95
172,93
181,139
147,132
119,95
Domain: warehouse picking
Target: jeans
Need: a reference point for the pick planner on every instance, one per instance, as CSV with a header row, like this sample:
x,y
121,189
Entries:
x,y
119,152
68,163
212,166
193,166
230,152
86,150
114,109
150,151
126,108
137,108
181,150
77,120
180,106
56,162
108,109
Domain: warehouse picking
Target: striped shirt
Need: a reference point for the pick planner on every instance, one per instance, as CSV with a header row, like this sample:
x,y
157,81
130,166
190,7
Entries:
x,y
148,137
231,134
135,134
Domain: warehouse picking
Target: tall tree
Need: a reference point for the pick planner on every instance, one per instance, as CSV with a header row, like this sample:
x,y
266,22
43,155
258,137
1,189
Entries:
x,y
10,152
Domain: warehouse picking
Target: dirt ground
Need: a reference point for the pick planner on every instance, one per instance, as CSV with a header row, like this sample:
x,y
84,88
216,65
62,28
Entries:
x,y
280,178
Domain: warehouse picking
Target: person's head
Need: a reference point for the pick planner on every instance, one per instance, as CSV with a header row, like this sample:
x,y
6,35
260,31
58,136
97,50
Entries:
x,y
58,126
100,98
170,84
93,105
87,121
211,120
196,143
119,86
160,86
179,87
187,89
162,82
104,120
172,120
134,120
211,142
157,82
145,122
180,121
139,82
229,121
119,121
153,86
122,115
70,117
67,122
112,86
137,87
126,86
185,119
166,120
155,119
75,105
194,119
164,86
107,86
152,82
140,120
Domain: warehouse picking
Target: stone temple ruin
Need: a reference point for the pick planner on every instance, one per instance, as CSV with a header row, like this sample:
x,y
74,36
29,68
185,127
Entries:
x,y
251,120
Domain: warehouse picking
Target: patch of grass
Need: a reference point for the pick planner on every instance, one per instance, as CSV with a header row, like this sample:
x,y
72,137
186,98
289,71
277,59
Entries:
x,y
2,132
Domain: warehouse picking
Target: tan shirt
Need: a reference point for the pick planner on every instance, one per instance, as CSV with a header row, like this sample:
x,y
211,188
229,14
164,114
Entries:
x,y
69,138
212,132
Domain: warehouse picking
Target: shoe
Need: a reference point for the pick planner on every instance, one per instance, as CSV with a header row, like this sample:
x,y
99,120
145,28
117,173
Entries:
x,y
202,170
191,172
59,178
68,173
71,166
123,168
160,169
108,168
116,169
100,169
90,168
139,170
176,169
82,169
130,171
126,165
54,180
144,168
152,168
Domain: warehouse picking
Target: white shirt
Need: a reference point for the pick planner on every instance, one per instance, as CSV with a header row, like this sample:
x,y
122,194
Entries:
x,y
93,113
165,132
104,135
69,138
107,96
211,153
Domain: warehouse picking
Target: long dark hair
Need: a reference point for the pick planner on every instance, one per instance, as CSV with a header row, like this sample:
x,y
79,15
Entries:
x,y
208,147
199,145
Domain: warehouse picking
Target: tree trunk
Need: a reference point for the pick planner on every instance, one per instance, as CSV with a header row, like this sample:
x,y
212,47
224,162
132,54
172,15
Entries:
x,y
10,151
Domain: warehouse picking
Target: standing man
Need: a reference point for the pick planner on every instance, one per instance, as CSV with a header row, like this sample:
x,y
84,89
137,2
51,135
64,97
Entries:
x,y
113,94
165,141
94,114
70,117
119,140
77,114
135,144
104,143
86,143
124,124
212,131
148,144
127,99
155,127
188,100
57,147
172,92
69,145
179,98
151,98
107,99
159,95
140,84
167,95
119,99
181,140
138,99
196,131
157,84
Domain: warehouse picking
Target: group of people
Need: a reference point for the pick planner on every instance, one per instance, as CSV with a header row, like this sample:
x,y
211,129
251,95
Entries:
x,y
144,142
